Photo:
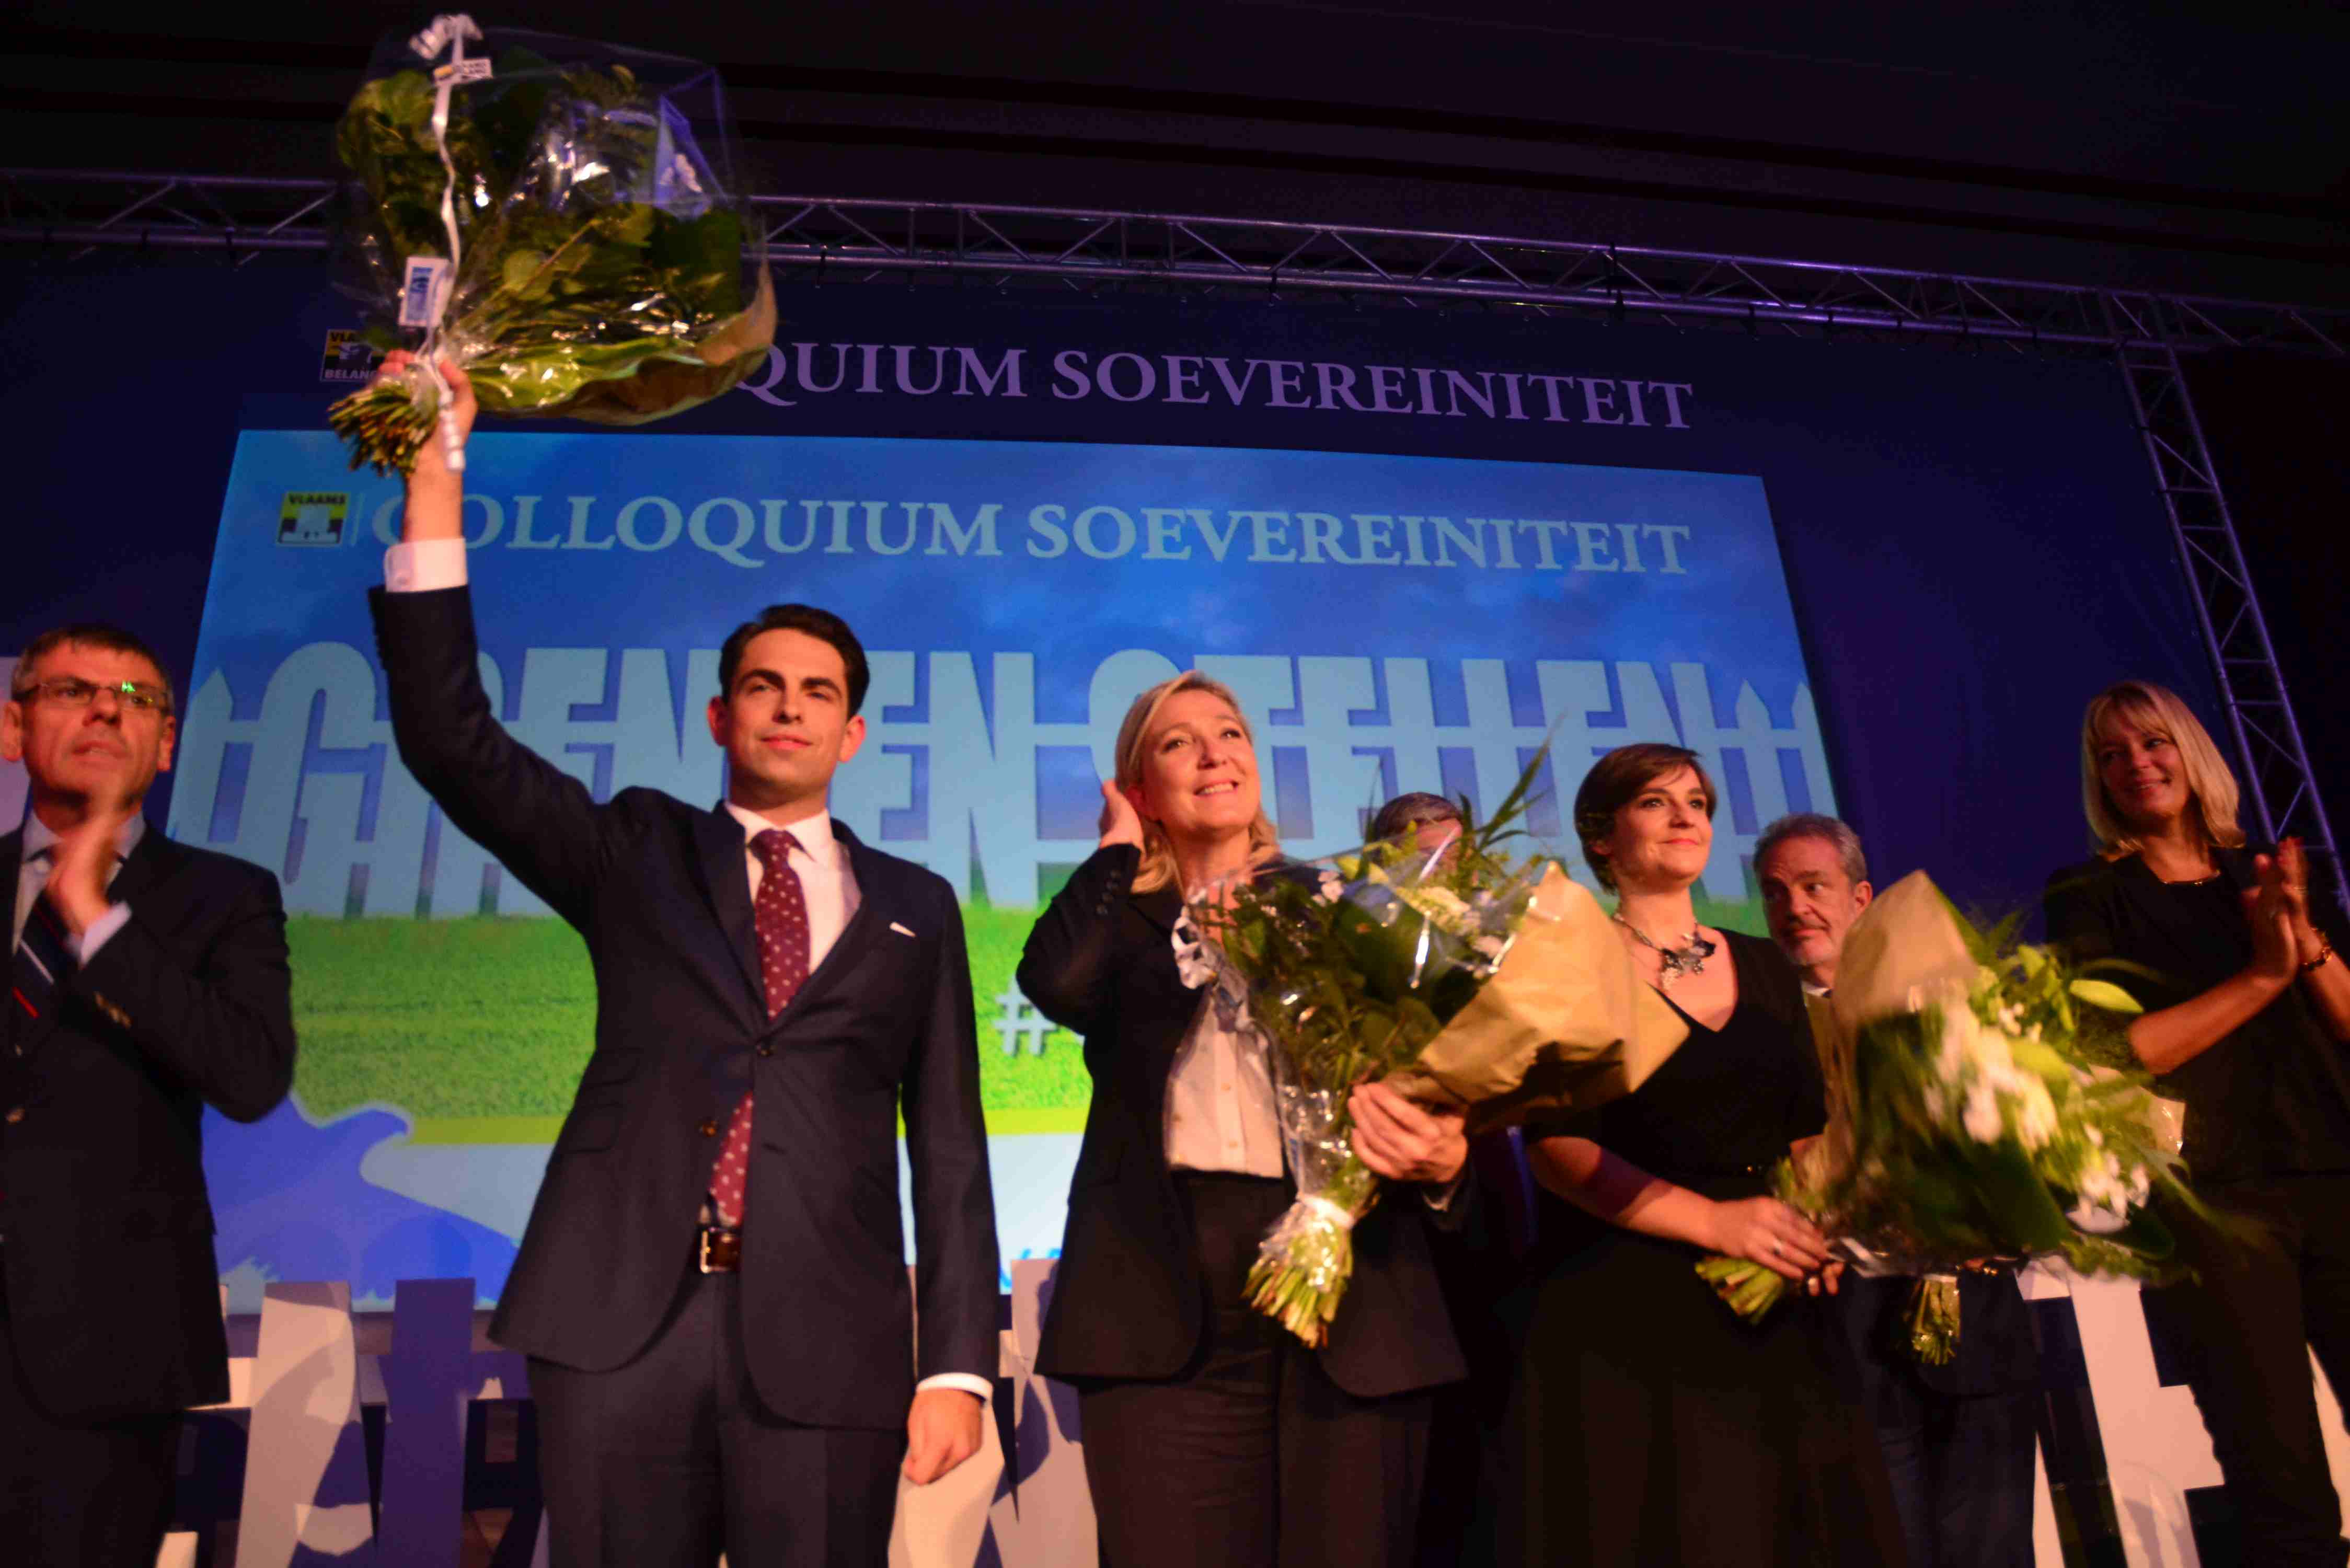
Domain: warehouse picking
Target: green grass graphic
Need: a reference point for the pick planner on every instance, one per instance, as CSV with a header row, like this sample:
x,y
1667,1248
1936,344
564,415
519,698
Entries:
x,y
492,1018
478,1028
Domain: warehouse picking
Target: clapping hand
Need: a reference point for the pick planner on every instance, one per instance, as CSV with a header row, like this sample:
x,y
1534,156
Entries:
x,y
83,863
2292,892
2269,909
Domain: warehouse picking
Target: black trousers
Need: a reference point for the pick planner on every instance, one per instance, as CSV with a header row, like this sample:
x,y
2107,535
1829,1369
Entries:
x,y
1251,1455
98,1496
672,1459
2243,1330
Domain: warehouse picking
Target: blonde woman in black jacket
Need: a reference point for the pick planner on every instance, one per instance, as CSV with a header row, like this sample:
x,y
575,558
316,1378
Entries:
x,y
1211,1437
2248,1010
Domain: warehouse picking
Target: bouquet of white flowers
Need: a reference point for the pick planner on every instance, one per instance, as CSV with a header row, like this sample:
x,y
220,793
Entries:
x,y
1976,1109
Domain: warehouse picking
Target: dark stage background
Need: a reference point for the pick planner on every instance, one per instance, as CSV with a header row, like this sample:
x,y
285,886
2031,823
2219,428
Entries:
x,y
1972,540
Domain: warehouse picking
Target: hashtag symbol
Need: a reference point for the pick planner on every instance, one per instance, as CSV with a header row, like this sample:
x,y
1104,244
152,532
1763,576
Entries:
x,y
1021,1021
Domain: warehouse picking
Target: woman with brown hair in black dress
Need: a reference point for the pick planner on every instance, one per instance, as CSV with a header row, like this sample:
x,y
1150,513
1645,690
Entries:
x,y
1653,1427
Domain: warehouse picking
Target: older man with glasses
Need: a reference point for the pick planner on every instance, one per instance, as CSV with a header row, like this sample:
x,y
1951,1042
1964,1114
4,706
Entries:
x,y
1957,1439
147,980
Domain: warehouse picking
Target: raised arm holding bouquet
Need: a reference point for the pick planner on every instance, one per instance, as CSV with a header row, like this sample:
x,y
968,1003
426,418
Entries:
x,y
711,1290
558,218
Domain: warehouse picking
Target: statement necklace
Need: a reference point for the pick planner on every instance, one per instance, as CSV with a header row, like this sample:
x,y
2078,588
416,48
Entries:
x,y
1688,958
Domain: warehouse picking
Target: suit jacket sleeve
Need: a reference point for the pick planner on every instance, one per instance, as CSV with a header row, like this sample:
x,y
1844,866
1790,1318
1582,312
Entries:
x,y
956,1269
220,1021
1069,967
538,820
1460,1209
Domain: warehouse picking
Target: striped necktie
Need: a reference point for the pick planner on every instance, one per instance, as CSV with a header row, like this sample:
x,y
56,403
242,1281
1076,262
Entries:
x,y
43,962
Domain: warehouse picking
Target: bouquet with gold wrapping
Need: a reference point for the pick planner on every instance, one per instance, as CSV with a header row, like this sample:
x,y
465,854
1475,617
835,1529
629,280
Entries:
x,y
1462,975
1978,1106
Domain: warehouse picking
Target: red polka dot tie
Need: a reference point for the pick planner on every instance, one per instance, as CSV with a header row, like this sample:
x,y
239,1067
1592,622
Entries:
x,y
781,909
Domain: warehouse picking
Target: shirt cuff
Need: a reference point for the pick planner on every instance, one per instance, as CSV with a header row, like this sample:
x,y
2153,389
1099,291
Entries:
x,y
1440,1197
95,934
424,564
969,1382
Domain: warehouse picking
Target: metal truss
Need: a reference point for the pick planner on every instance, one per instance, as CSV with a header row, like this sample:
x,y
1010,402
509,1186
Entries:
x,y
238,217
235,217
1092,251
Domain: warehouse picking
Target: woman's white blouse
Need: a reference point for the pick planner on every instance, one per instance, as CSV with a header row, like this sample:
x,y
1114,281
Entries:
x,y
1219,1107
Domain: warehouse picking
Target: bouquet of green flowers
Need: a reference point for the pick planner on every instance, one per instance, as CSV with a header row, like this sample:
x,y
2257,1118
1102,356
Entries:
x,y
1978,1107
1462,975
554,217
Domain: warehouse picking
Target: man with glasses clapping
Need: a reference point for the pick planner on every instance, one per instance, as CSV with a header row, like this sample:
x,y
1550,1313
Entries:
x,y
147,980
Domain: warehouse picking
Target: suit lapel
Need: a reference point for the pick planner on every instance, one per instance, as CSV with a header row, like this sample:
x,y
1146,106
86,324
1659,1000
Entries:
x,y
148,862
726,881
1154,965
12,857
1161,905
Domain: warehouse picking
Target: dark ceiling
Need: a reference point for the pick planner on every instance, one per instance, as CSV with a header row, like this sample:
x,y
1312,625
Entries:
x,y
2197,148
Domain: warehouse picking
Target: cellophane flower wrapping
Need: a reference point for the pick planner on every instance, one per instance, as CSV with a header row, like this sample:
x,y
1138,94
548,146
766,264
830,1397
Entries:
x,y
1977,1110
608,268
1462,976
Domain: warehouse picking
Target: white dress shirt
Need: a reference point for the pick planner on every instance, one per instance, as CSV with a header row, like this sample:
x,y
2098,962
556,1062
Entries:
x,y
1219,1112
32,876
827,880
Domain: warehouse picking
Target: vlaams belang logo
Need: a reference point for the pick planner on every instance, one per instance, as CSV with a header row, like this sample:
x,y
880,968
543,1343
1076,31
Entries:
x,y
349,357
313,517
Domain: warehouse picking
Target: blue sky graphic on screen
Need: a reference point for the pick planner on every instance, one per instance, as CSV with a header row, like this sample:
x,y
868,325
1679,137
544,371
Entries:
x,y
1391,623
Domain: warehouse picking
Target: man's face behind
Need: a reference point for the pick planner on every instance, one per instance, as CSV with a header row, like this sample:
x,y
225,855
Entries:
x,y
786,725
104,753
1810,901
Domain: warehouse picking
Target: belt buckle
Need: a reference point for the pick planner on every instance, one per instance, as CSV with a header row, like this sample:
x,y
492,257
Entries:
x,y
709,1244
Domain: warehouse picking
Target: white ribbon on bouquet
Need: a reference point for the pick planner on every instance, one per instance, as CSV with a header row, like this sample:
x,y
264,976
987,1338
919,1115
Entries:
x,y
447,32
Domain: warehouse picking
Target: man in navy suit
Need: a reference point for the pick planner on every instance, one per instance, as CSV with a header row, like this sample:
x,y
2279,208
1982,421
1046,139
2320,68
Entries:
x,y
1957,1438
711,1288
147,980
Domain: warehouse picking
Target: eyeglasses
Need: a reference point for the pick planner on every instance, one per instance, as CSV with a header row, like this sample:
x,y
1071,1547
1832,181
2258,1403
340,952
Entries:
x,y
73,692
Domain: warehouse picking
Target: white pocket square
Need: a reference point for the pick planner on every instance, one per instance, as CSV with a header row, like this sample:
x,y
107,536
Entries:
x,y
899,929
